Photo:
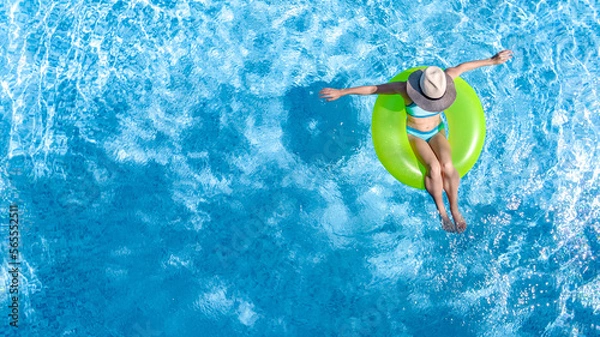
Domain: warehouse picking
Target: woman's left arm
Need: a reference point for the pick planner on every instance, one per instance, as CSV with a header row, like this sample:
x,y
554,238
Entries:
x,y
499,58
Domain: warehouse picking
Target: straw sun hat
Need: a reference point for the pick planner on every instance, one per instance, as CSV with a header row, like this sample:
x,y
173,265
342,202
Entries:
x,y
431,89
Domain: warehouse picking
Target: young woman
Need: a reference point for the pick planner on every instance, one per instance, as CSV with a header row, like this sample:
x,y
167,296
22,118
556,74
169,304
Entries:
x,y
427,93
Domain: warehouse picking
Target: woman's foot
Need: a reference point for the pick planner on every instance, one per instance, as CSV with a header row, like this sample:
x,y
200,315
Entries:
x,y
459,221
447,224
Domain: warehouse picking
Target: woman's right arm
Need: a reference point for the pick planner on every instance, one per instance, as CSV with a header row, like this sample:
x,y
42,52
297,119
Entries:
x,y
499,58
331,94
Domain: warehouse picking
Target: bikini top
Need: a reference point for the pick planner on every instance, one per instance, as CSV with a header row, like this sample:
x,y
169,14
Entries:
x,y
415,111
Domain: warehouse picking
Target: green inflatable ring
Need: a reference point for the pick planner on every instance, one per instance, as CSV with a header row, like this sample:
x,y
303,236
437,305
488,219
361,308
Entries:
x,y
466,126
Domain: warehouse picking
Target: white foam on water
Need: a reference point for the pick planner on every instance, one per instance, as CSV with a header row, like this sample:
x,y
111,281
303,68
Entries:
x,y
175,261
215,302
246,314
218,302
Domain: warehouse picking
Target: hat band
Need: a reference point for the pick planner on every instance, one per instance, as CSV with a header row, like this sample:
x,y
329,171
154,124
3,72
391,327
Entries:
x,y
431,98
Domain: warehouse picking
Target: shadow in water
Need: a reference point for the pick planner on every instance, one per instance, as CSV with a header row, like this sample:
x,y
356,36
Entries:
x,y
319,131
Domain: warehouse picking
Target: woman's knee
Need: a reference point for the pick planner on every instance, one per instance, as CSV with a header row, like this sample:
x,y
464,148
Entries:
x,y
448,169
434,169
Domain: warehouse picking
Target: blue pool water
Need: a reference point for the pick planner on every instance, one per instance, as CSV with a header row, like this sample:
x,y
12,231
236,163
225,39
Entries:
x,y
176,174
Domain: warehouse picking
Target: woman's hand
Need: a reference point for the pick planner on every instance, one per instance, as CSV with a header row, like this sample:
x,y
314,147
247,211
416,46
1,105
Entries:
x,y
331,94
501,57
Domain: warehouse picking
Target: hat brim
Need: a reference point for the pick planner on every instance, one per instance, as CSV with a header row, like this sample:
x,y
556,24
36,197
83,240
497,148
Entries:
x,y
413,89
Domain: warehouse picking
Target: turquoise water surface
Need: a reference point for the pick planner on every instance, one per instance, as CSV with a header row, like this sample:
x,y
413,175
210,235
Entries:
x,y
174,172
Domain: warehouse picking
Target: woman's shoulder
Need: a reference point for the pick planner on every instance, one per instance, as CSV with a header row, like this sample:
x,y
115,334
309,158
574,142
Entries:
x,y
453,72
402,92
400,88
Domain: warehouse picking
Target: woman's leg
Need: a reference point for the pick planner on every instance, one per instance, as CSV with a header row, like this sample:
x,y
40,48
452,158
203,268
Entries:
x,y
434,183
440,146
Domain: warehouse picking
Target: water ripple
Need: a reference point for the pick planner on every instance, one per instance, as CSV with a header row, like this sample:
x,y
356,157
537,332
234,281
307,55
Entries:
x,y
196,126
